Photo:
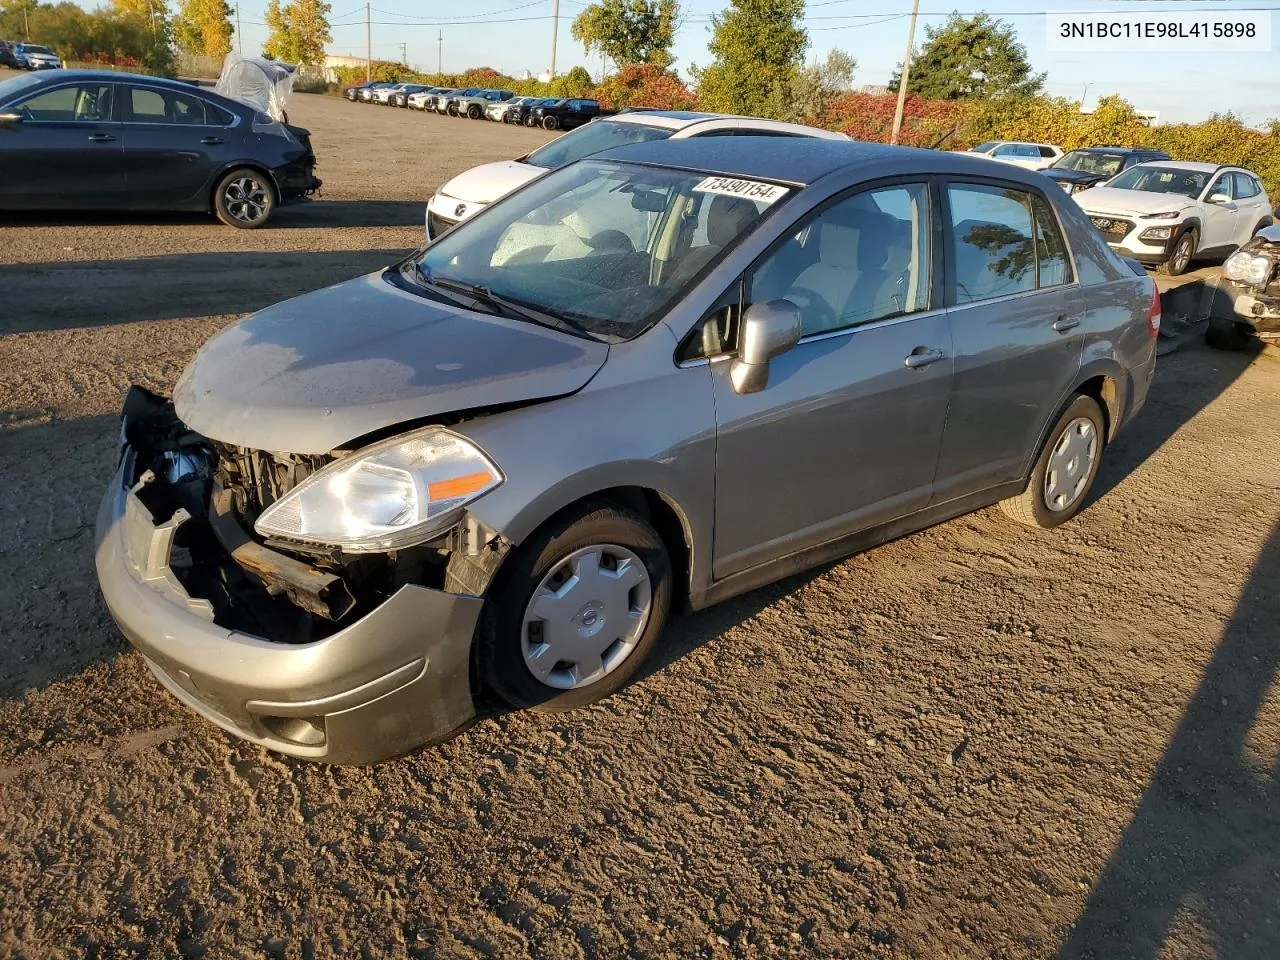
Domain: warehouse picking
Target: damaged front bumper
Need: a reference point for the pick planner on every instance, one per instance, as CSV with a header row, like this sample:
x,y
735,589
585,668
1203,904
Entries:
x,y
1258,310
392,680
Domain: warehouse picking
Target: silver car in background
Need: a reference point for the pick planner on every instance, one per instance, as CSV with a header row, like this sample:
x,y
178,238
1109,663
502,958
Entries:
x,y
648,380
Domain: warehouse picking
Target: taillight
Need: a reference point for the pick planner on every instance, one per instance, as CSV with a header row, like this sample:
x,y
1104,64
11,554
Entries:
x,y
1153,312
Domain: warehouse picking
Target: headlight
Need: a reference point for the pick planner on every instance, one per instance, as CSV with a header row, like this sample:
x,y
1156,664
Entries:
x,y
1156,233
393,494
1247,268
1171,215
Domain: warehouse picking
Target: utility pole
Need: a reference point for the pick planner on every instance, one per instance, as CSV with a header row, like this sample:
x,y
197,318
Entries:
x,y
26,28
239,32
368,45
906,73
404,54
440,51
555,29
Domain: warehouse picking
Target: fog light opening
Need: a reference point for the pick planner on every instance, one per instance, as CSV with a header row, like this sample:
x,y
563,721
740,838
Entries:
x,y
304,731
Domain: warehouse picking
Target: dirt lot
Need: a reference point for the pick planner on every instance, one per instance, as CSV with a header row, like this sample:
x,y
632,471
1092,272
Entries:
x,y
980,741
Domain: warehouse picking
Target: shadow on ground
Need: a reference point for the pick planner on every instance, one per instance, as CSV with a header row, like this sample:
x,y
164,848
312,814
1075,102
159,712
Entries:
x,y
1205,838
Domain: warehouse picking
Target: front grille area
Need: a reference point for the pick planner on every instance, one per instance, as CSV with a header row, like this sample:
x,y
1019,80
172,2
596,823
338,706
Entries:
x,y
1112,228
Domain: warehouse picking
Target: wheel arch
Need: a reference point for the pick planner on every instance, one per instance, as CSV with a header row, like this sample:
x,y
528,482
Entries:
x,y
255,165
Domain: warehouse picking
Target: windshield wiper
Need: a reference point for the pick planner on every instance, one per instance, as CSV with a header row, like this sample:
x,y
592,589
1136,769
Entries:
x,y
532,314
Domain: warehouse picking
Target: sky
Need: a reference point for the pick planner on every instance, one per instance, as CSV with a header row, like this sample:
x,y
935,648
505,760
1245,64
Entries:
x,y
515,35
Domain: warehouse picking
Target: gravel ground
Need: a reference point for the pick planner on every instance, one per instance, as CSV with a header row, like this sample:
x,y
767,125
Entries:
x,y
979,741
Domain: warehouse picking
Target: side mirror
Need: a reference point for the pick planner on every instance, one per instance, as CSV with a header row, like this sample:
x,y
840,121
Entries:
x,y
1220,198
8,118
769,330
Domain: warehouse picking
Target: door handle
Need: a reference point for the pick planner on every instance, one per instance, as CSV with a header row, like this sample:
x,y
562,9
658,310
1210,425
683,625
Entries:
x,y
922,357
102,138
1065,323
212,141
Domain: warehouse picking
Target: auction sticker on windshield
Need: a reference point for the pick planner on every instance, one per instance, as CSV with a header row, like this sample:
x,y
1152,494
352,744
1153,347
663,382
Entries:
x,y
765,193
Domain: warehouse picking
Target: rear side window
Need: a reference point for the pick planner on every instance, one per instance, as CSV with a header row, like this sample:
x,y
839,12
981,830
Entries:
x,y
1047,152
156,106
1003,241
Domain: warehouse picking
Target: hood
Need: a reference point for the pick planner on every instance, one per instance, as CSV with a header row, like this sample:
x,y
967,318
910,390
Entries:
x,y
316,372
491,181
1062,175
1111,200
1270,234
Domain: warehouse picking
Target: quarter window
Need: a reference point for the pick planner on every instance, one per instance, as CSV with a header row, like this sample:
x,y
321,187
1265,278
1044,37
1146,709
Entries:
x,y
87,103
865,258
1052,266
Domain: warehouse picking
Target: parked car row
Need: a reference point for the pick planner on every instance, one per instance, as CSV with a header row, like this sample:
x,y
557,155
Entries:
x,y
476,103
28,56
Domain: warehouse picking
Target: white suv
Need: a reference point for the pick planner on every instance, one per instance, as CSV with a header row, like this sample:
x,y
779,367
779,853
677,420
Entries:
x,y
470,192
1029,156
1167,213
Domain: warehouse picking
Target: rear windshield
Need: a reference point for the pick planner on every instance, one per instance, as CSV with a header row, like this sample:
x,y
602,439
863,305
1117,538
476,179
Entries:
x,y
591,139
985,147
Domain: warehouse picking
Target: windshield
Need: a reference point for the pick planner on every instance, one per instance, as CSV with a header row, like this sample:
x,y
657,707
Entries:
x,y
592,138
1184,183
35,48
1090,161
985,147
18,84
605,248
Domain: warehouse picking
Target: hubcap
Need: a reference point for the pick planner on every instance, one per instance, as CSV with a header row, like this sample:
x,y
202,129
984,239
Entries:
x,y
1183,254
1070,464
586,616
246,199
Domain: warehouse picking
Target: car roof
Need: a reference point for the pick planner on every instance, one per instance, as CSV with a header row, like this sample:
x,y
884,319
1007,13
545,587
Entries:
x,y
801,160
1194,166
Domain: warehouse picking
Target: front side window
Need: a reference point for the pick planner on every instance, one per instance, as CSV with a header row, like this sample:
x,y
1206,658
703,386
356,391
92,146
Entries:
x,y
1220,186
1153,179
84,103
591,139
164,106
605,247
862,259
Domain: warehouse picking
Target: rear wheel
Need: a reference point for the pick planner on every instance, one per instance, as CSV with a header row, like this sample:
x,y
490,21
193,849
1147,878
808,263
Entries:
x,y
244,198
1227,333
550,123
576,611
1184,251
1065,469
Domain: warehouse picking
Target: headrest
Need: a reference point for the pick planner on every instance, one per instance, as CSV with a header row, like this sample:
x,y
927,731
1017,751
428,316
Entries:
x,y
727,218
853,237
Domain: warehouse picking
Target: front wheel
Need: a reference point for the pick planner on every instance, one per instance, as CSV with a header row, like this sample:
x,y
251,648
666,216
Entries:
x,y
474,112
245,199
1184,251
576,612
530,121
550,123
1065,469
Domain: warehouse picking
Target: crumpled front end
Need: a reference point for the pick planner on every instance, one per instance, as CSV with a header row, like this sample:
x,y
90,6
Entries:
x,y
348,659
1252,277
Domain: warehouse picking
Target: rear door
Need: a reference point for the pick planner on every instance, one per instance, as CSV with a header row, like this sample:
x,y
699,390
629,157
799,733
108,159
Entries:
x,y
174,144
1252,202
1219,220
66,152
1015,314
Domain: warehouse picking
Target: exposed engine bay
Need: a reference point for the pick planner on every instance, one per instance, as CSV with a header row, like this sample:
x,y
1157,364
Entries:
x,y
282,591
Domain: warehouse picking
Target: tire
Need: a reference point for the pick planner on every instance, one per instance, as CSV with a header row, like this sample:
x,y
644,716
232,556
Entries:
x,y
530,121
452,109
1184,252
508,626
1227,333
259,203
550,123
1032,506
474,112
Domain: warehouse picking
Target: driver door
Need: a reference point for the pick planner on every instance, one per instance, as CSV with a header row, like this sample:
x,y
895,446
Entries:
x,y
67,151
846,433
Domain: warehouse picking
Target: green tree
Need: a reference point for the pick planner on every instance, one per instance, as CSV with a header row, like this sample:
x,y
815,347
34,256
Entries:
x,y
299,31
815,88
203,27
576,83
976,57
758,46
629,31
